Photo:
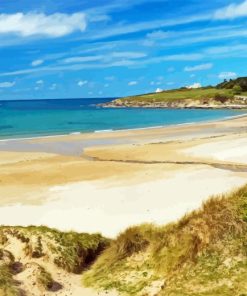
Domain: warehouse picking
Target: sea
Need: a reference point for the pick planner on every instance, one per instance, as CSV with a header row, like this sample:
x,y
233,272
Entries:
x,y
35,118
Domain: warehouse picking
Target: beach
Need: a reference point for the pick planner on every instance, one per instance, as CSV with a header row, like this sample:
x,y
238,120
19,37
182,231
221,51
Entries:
x,y
105,182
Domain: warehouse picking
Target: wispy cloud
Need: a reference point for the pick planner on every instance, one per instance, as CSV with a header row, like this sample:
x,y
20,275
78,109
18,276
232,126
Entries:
x,y
37,63
182,57
40,82
7,84
200,67
101,12
227,75
158,34
122,29
232,11
40,24
239,49
82,83
53,86
83,59
111,56
107,64
110,78
132,83
128,55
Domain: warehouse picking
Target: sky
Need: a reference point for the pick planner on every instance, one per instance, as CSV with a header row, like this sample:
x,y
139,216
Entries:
x,y
113,48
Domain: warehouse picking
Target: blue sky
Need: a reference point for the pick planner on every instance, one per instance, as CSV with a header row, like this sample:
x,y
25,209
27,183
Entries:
x,y
79,49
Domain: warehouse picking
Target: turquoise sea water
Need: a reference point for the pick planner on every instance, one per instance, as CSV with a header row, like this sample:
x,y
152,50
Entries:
x,y
54,117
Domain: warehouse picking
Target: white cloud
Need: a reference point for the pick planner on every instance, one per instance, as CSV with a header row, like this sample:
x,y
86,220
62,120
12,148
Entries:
x,y
53,25
82,82
110,78
106,85
37,63
232,11
159,34
107,64
40,82
53,86
7,84
131,83
159,90
182,57
113,56
194,85
83,59
155,83
200,67
227,75
128,55
123,28
238,49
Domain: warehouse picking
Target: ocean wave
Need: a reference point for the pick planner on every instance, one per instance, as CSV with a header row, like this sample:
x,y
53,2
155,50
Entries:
x,y
104,131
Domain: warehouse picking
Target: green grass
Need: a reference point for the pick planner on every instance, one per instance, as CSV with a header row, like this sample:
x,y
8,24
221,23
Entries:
x,y
181,94
72,251
204,253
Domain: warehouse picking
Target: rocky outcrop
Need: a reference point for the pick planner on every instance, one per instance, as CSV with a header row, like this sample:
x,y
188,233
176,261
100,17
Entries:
x,y
238,102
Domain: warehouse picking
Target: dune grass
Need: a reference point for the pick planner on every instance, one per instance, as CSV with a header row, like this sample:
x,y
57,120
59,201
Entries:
x,y
70,250
204,253
7,284
35,246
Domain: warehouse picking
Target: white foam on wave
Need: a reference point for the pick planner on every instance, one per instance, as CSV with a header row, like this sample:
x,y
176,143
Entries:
x,y
104,131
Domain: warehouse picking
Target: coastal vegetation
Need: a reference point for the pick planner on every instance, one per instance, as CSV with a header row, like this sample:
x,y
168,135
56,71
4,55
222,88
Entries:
x,y
33,252
204,253
229,94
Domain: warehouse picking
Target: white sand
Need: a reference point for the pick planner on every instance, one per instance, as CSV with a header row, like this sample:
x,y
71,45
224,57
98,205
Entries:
x,y
102,207
232,151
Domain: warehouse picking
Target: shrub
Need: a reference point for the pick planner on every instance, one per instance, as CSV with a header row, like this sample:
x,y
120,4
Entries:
x,y
237,89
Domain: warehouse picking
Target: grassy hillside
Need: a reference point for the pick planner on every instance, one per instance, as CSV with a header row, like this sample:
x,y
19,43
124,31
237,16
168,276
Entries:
x,y
203,254
223,94
183,94
230,84
33,255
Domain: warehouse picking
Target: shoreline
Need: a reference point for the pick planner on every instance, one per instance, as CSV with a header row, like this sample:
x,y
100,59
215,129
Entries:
x,y
123,130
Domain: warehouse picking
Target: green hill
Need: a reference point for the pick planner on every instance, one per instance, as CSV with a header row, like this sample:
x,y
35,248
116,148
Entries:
x,y
241,81
203,254
227,94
